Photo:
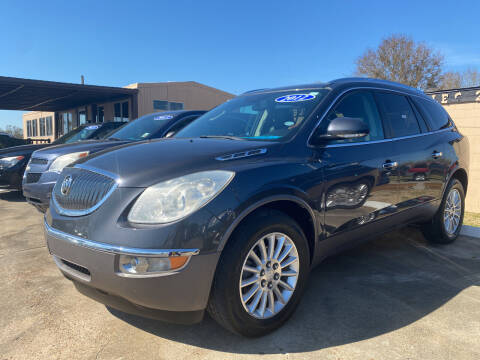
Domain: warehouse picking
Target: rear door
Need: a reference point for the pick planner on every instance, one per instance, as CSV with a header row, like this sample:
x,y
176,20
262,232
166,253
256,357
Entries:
x,y
442,152
414,150
359,190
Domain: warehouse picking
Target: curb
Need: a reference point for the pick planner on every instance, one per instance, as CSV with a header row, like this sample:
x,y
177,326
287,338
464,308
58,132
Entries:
x,y
471,231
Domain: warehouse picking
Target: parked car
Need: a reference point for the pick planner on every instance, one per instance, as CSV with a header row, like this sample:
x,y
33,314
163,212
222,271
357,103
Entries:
x,y
232,213
6,140
45,166
13,160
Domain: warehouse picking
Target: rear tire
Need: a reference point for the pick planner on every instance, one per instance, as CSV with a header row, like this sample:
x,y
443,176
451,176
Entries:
x,y
447,222
270,275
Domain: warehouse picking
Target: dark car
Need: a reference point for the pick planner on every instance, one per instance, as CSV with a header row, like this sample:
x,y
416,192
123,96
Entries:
x,y
6,140
13,160
46,165
232,213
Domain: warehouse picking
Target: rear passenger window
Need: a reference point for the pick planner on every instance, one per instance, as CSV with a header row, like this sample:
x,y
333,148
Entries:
x,y
398,116
357,104
433,113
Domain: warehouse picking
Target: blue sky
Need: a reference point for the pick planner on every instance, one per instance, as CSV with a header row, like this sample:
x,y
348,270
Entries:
x,y
232,45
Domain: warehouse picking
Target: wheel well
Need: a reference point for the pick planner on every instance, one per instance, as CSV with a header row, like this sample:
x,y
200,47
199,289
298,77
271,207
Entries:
x,y
461,175
298,213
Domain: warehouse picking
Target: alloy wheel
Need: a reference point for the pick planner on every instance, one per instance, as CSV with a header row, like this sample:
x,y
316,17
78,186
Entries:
x,y
452,211
269,275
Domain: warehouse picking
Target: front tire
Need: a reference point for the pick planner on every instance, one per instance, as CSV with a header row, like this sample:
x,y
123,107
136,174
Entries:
x,y
261,275
447,222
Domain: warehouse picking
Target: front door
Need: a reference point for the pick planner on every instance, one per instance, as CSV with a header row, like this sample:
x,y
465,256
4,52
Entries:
x,y
358,186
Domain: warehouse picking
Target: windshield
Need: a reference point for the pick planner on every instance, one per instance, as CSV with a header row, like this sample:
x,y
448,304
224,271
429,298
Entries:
x,y
141,129
265,116
79,134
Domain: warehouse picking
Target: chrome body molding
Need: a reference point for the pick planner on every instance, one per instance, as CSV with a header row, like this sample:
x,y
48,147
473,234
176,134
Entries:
x,y
392,139
115,249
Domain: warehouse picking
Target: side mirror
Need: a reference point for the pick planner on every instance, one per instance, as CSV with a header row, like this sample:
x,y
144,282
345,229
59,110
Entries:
x,y
343,128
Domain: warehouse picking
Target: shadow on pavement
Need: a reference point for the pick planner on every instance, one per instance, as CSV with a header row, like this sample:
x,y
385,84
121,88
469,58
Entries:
x,y
373,289
13,196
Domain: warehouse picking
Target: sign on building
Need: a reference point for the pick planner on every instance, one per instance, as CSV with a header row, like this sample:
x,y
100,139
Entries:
x,y
457,96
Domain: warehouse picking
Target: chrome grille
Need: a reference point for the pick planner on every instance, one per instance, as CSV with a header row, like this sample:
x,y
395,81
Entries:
x,y
86,192
39,161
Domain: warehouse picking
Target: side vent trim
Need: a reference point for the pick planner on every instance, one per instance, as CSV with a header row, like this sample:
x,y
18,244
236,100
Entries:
x,y
241,155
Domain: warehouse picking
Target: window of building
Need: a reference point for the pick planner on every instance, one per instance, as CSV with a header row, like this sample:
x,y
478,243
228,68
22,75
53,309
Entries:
x,y
167,105
67,120
34,128
125,111
42,126
49,126
160,105
29,128
117,110
82,117
175,106
398,116
360,105
100,114
121,111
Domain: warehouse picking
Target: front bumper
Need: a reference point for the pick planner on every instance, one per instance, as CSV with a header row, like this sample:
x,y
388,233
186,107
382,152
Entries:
x,y
178,296
38,194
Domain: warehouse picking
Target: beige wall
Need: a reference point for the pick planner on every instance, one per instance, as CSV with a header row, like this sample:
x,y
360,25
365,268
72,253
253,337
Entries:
x,y
193,95
37,115
467,118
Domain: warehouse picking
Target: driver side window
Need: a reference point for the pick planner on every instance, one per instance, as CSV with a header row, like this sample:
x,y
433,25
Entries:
x,y
357,104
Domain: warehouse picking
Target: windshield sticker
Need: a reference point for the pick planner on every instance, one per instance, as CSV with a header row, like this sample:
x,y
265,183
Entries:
x,y
92,127
294,98
163,117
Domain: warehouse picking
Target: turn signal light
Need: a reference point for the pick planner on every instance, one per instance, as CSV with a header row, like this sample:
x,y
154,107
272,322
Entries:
x,y
143,265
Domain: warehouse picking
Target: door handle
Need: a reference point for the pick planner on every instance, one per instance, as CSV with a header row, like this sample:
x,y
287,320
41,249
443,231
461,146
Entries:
x,y
390,165
437,154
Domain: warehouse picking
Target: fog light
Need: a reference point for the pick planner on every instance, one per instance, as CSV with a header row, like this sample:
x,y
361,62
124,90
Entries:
x,y
142,265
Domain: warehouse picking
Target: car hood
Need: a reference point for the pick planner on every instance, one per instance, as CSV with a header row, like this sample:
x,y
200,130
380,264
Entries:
x,y
21,149
147,163
87,145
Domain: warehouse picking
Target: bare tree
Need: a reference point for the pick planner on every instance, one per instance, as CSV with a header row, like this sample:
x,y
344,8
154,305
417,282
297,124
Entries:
x,y
399,58
457,79
13,131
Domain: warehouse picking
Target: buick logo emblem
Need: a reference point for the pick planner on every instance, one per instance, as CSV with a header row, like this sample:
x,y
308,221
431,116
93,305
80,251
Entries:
x,y
66,185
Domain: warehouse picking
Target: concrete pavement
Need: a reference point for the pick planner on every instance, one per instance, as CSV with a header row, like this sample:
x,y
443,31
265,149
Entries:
x,y
394,298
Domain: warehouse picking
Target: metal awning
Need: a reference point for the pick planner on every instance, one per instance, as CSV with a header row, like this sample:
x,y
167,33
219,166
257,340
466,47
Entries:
x,y
39,95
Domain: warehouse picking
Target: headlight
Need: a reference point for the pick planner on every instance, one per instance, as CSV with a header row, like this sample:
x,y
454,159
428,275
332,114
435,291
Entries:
x,y
8,162
174,199
64,160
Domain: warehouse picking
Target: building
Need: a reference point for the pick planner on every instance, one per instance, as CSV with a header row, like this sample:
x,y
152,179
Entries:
x,y
120,104
463,105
